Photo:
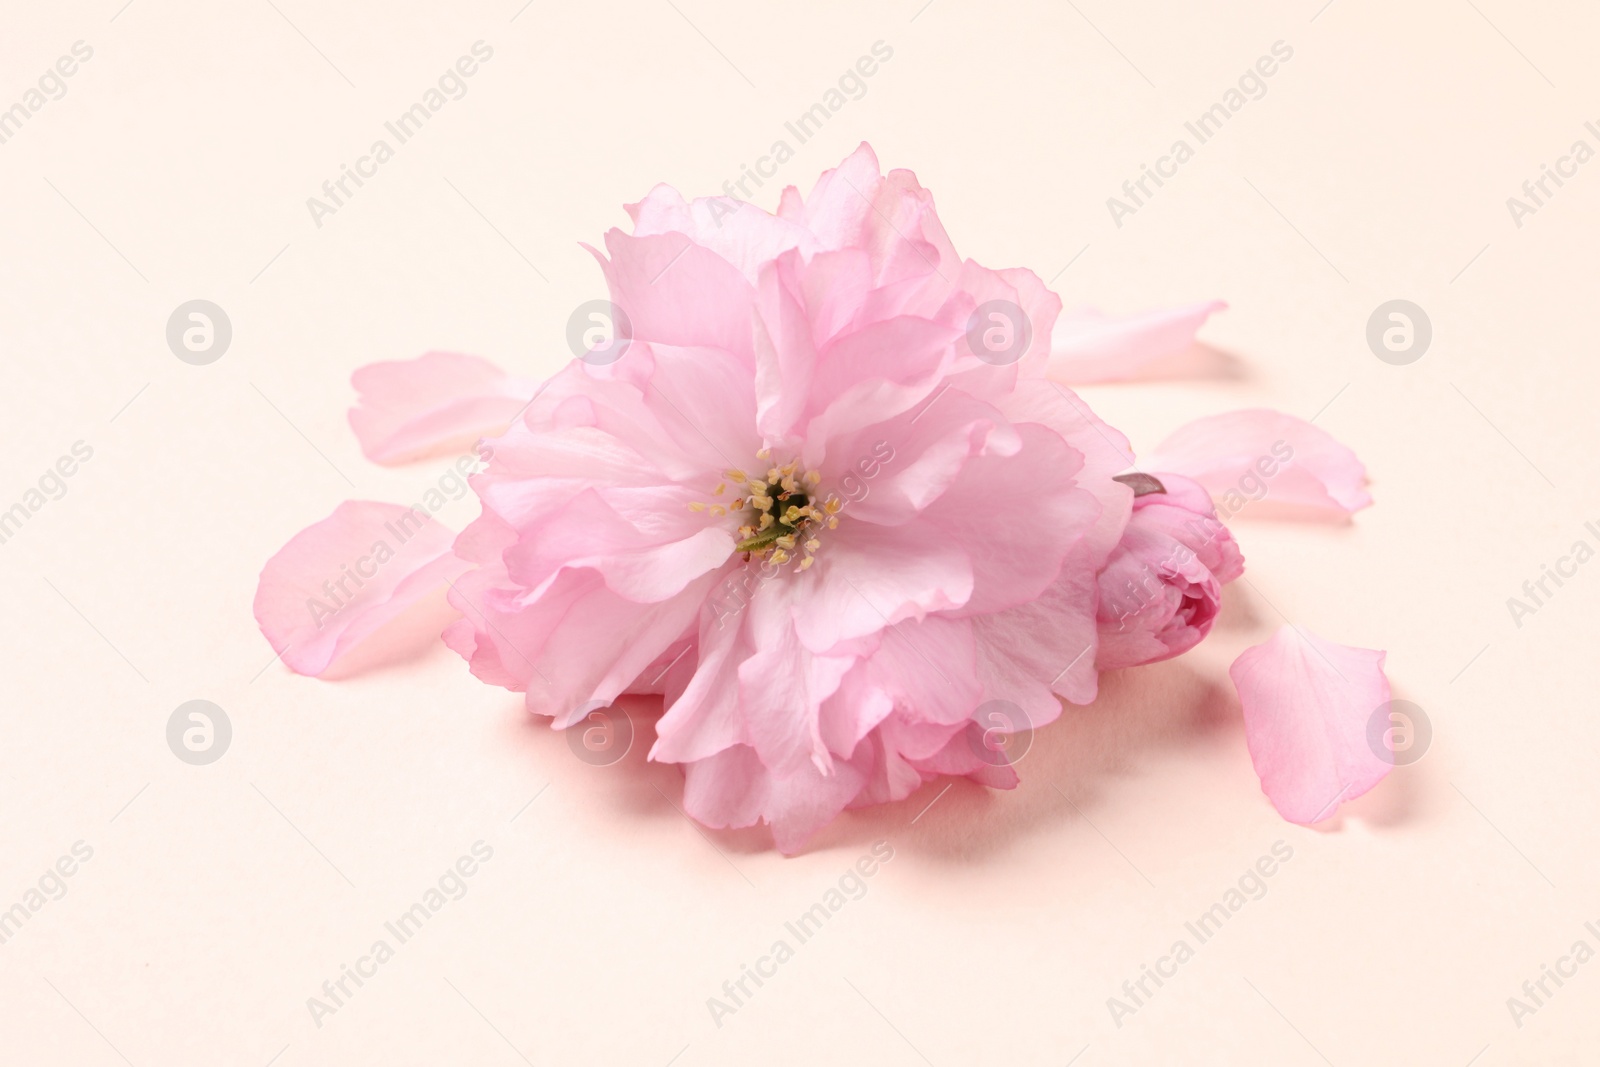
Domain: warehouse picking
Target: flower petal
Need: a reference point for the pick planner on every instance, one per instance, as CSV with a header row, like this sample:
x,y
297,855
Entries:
x,y
733,789
1306,706
1267,463
432,405
1088,346
339,580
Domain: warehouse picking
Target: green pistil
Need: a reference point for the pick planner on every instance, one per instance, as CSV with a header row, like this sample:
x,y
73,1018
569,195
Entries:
x,y
781,502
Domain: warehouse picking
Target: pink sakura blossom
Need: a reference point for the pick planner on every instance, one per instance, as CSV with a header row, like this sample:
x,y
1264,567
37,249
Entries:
x,y
1162,587
811,507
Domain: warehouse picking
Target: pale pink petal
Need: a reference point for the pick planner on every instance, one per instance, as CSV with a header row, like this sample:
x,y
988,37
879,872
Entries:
x,y
786,354
1088,346
1266,463
1104,449
1035,652
739,232
924,671
579,644
733,789
1306,704
678,293
337,581
703,715
433,405
641,564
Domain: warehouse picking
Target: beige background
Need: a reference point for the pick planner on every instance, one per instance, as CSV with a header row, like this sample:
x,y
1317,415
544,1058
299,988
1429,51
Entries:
x,y
219,898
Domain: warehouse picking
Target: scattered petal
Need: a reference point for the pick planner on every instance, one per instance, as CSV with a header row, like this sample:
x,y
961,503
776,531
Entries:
x,y
1089,346
1306,706
338,581
432,405
1267,464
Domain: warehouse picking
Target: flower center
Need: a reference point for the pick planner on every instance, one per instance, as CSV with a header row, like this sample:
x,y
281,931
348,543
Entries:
x,y
780,518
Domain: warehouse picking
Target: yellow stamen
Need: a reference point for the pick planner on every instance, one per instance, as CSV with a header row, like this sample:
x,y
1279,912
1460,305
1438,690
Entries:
x,y
734,474
765,453
721,488
696,506
808,561
718,509
779,556
832,505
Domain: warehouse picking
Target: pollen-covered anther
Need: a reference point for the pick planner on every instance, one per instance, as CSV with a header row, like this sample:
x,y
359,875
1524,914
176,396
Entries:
x,y
697,505
781,514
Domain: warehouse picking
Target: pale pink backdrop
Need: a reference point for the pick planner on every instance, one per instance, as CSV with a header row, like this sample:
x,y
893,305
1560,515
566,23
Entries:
x,y
1376,165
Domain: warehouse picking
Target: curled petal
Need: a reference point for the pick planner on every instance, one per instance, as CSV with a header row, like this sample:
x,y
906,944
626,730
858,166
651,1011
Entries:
x,y
337,581
1088,346
733,789
1306,706
1266,463
432,405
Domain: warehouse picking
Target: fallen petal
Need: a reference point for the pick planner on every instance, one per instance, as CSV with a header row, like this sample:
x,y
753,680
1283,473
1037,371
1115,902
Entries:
x,y
1088,346
339,580
1306,706
432,405
1266,464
